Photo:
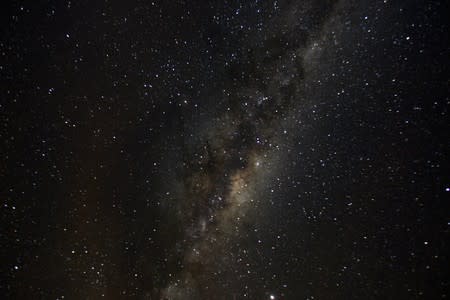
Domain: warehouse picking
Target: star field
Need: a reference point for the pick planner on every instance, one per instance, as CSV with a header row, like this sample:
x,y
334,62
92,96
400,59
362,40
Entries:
x,y
224,150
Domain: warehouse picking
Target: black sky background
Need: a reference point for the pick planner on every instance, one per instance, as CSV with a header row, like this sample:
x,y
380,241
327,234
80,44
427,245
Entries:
x,y
103,108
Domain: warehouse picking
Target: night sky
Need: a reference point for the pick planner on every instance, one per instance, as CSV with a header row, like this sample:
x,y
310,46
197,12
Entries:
x,y
224,149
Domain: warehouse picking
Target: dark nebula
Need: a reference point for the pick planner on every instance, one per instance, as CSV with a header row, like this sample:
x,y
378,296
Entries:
x,y
224,150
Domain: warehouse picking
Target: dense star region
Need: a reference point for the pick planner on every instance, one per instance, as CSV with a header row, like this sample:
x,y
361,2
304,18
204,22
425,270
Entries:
x,y
224,150
220,186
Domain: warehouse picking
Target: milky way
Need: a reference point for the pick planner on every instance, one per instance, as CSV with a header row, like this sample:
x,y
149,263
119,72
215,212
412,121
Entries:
x,y
224,150
222,185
